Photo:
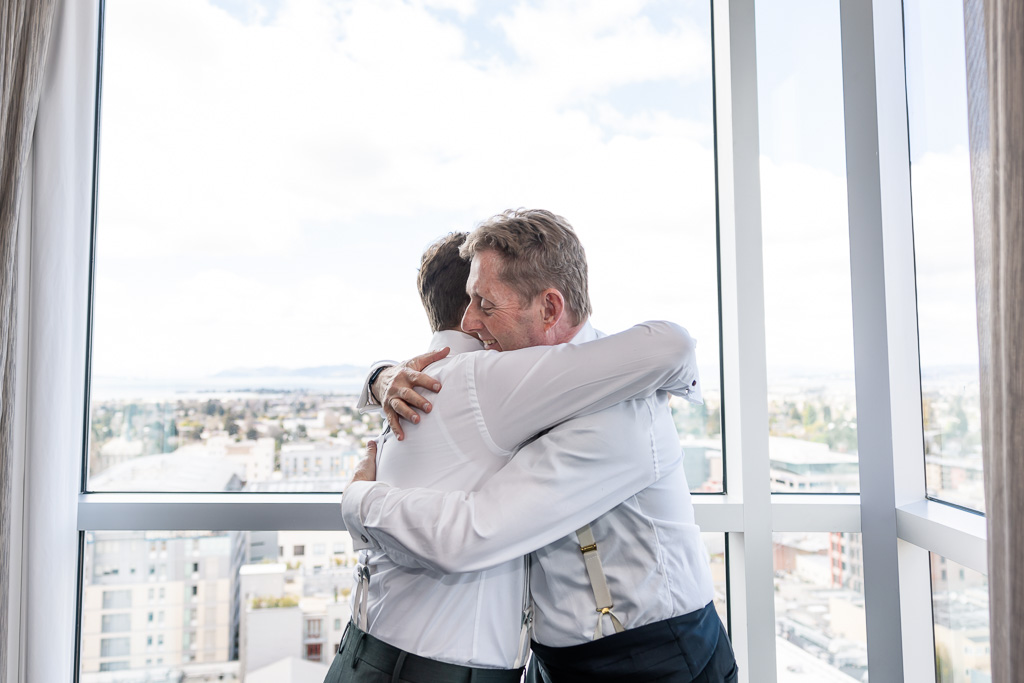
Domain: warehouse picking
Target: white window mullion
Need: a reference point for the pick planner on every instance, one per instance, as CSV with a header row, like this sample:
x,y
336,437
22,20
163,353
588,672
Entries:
x,y
890,436
745,384
816,513
956,534
907,428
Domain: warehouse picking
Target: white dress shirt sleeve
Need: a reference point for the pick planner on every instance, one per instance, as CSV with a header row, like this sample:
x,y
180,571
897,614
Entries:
x,y
554,485
366,404
520,393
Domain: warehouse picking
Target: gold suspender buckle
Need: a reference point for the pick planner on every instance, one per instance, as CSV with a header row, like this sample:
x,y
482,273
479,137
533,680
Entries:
x,y
605,610
588,548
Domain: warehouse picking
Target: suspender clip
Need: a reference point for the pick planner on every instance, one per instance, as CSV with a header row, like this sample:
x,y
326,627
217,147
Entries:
x,y
588,548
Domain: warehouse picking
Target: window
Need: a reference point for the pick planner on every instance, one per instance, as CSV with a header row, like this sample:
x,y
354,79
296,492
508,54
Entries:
x,y
117,599
944,250
114,647
299,550
819,607
636,130
313,651
651,135
960,611
812,408
113,623
313,628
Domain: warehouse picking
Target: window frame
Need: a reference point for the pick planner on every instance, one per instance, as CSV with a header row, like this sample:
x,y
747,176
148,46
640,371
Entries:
x,y
900,525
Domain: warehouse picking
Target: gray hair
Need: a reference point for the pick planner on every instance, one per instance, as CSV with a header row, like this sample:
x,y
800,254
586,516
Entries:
x,y
539,250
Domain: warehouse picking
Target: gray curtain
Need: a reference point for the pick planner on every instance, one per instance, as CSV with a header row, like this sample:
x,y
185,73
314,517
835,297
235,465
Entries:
x,y
998,179
25,27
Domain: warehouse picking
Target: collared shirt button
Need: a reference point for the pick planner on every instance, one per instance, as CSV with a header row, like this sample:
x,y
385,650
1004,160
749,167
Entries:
x,y
365,539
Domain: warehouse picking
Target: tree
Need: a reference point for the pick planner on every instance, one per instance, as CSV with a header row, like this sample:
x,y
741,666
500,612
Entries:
x,y
252,434
229,425
714,423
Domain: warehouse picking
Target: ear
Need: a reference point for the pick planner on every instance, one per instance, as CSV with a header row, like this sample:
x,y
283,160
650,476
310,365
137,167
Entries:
x,y
552,307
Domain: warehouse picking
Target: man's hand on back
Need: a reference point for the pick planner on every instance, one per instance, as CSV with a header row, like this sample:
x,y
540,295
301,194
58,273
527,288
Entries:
x,y
395,391
367,469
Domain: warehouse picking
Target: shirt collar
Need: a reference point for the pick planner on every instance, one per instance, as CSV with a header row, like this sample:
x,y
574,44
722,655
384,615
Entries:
x,y
585,334
459,342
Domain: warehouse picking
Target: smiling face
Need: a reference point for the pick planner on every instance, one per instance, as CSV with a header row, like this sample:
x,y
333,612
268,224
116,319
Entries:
x,y
496,313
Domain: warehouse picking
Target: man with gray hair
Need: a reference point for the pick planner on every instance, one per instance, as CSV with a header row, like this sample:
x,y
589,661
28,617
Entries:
x,y
421,625
599,501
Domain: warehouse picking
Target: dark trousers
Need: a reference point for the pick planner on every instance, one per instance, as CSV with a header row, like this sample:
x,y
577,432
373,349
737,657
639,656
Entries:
x,y
692,648
362,658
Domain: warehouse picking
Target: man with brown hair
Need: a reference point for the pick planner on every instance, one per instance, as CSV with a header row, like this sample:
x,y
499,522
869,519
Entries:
x,y
421,624
441,282
609,484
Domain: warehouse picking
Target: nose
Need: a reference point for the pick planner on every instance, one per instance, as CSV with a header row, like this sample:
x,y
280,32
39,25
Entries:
x,y
471,319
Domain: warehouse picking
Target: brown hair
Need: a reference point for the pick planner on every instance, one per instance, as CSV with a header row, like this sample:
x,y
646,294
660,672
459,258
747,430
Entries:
x,y
442,282
539,250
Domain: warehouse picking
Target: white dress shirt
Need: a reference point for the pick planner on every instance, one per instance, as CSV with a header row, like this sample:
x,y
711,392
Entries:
x,y
618,469
490,403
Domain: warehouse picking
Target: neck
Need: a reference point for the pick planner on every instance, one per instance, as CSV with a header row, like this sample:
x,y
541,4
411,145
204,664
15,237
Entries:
x,y
561,334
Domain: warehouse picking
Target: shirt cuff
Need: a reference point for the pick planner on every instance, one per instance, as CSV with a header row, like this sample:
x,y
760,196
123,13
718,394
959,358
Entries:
x,y
351,513
366,402
693,393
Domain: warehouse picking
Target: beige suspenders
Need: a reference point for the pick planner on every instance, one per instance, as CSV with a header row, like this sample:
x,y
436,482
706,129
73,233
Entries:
x,y
361,597
527,625
602,596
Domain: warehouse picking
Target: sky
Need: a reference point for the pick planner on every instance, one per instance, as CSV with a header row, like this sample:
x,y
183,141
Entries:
x,y
271,171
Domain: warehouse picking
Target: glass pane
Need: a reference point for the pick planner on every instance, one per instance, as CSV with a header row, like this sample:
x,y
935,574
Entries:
x,y
821,632
944,250
213,605
812,408
715,545
254,187
960,610
229,605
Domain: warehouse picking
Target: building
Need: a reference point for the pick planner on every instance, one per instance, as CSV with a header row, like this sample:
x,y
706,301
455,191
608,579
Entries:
x,y
808,467
846,556
156,599
306,459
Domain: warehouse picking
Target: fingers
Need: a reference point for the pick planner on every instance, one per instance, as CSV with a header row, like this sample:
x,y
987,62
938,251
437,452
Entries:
x,y
405,393
421,379
367,469
404,409
423,360
392,417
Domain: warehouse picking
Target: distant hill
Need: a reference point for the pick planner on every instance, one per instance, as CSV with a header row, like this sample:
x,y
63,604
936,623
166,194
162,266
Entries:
x,y
320,372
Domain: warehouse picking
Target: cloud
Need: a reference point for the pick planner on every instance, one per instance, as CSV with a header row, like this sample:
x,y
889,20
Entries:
x,y
808,308
266,186
944,259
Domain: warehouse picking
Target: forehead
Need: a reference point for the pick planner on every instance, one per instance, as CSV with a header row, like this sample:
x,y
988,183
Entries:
x,y
484,269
